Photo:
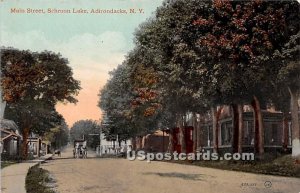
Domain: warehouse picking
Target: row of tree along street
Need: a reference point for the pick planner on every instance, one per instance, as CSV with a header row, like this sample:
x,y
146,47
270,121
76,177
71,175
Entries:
x,y
197,56
88,130
32,83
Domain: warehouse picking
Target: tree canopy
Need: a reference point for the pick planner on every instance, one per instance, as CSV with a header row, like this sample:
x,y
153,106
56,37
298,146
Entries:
x,y
86,129
32,84
213,53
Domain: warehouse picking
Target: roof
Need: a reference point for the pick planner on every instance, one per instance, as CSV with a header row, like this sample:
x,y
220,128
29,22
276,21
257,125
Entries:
x,y
159,133
46,142
8,134
79,140
8,124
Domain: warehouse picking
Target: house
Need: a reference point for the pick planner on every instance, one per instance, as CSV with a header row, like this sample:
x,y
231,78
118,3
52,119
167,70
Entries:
x,y
274,135
111,146
34,143
45,147
188,138
10,139
157,141
198,132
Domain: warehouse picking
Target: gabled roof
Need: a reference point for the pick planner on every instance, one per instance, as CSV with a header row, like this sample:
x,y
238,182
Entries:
x,y
158,133
8,134
8,125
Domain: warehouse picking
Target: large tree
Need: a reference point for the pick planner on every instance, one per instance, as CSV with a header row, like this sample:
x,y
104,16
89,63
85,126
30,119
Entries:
x,y
86,129
58,136
289,75
32,84
213,53
167,44
116,101
248,33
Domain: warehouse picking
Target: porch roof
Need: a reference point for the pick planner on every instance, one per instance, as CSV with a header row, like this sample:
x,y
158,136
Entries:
x,y
10,134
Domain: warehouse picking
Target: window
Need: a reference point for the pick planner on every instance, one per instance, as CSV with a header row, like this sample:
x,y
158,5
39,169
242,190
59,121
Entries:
x,y
274,139
248,132
226,133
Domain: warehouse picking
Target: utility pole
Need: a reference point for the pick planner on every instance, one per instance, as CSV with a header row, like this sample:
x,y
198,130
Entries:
x,y
100,131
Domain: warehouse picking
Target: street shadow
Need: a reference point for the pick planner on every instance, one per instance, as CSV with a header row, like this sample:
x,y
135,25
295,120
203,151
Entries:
x,y
70,158
61,158
195,177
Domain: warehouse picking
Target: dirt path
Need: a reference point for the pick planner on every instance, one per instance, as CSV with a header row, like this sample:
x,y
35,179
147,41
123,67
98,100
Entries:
x,y
94,175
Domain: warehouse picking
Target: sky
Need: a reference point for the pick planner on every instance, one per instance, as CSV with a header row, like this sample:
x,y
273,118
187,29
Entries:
x,y
93,43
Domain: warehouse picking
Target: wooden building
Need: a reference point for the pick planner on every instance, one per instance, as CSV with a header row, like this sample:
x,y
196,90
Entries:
x,y
274,135
34,143
10,138
198,134
154,142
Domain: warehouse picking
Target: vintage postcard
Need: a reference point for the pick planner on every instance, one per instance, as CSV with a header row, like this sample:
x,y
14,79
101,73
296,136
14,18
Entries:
x,y
152,96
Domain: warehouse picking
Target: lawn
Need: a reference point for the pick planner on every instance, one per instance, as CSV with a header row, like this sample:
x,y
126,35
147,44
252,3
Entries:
x,y
7,163
281,166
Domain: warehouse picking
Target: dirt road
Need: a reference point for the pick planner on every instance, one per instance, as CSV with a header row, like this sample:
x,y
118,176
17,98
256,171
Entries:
x,y
94,175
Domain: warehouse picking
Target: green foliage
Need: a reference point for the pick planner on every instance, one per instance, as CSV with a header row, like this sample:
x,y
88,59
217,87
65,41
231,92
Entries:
x,y
289,74
37,179
58,136
42,76
82,129
36,115
6,163
212,53
32,85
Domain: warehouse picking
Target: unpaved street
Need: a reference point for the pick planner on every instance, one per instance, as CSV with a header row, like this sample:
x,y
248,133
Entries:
x,y
94,175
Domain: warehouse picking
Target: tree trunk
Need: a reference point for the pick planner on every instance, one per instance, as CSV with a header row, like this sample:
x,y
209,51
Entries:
x,y
134,143
215,132
142,145
216,113
170,146
199,133
295,123
241,128
285,132
258,127
25,134
182,134
235,128
195,133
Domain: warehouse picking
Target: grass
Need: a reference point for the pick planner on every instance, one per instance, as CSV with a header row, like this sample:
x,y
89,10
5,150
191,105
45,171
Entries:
x,y
38,180
7,163
7,160
281,166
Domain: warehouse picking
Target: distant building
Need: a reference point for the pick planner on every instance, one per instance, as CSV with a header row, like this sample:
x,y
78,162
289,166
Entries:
x,y
112,146
45,147
198,133
34,143
157,141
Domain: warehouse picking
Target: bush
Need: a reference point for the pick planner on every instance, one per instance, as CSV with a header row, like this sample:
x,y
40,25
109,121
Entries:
x,y
14,158
37,179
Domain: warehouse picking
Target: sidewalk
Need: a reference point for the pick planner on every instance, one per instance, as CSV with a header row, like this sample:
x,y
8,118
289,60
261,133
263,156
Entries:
x,y
13,177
